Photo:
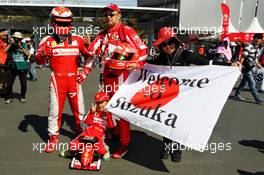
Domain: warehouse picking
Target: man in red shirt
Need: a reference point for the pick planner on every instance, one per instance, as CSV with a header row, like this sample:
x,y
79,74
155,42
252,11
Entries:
x,y
3,57
103,46
63,51
3,54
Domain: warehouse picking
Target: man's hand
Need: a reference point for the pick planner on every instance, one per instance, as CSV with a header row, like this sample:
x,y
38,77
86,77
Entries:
x,y
259,66
93,108
132,66
82,76
12,41
238,64
83,125
47,52
20,45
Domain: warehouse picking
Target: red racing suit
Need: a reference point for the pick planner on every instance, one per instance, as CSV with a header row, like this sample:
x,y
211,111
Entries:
x,y
97,123
103,46
63,59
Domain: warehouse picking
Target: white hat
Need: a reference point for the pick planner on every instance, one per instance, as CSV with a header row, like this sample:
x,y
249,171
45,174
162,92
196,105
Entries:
x,y
27,39
17,35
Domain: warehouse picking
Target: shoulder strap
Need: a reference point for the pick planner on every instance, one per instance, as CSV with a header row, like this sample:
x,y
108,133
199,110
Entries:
x,y
121,33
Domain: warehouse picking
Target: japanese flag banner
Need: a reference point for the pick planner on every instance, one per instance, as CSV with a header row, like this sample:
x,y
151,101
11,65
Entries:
x,y
180,103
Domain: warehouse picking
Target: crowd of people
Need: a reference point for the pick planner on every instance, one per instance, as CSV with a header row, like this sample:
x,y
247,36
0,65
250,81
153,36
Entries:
x,y
225,50
17,59
251,56
117,42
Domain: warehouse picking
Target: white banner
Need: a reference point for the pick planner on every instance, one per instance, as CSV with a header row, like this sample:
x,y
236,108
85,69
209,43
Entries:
x,y
182,103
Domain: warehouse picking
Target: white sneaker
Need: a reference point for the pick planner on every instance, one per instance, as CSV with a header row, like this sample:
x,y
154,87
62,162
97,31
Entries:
x,y
107,156
22,100
8,101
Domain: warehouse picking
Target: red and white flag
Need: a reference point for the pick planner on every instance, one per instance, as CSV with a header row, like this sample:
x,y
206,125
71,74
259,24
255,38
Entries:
x,y
226,19
181,103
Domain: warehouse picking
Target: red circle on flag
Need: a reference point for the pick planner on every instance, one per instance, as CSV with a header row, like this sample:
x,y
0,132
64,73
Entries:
x,y
159,92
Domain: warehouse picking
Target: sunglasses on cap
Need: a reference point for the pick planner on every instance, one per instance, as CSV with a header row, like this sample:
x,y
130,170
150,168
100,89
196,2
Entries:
x,y
167,42
110,14
118,56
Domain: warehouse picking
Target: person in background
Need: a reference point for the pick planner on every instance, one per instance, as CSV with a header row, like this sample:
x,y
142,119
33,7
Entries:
x,y
16,66
3,57
202,50
233,51
249,61
211,52
144,38
3,45
225,50
172,53
32,70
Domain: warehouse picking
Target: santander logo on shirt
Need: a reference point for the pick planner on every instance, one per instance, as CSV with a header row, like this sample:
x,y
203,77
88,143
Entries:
x,y
65,51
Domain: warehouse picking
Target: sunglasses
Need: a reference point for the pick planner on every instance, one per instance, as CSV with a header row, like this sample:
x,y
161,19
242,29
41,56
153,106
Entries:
x,y
110,14
167,42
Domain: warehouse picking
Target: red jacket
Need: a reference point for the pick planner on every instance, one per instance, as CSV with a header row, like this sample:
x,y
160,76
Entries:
x,y
106,41
101,120
3,55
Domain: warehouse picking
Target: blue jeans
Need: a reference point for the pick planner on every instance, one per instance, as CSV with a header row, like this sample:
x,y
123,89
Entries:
x,y
248,77
32,71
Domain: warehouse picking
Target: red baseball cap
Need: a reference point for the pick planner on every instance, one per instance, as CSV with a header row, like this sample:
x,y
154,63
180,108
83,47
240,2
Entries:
x,y
164,34
111,6
101,96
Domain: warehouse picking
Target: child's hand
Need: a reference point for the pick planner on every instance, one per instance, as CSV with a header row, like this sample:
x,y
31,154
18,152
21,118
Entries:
x,y
93,108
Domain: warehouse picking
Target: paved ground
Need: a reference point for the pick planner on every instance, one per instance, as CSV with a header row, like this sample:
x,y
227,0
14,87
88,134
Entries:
x,y
240,127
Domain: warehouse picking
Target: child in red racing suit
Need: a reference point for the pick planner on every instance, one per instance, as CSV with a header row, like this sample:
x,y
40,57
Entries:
x,y
95,124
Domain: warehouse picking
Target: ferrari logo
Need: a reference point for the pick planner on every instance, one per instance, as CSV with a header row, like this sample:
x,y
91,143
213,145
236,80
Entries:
x,y
53,43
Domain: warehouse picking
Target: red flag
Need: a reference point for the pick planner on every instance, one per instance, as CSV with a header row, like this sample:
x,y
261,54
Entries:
x,y
226,16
